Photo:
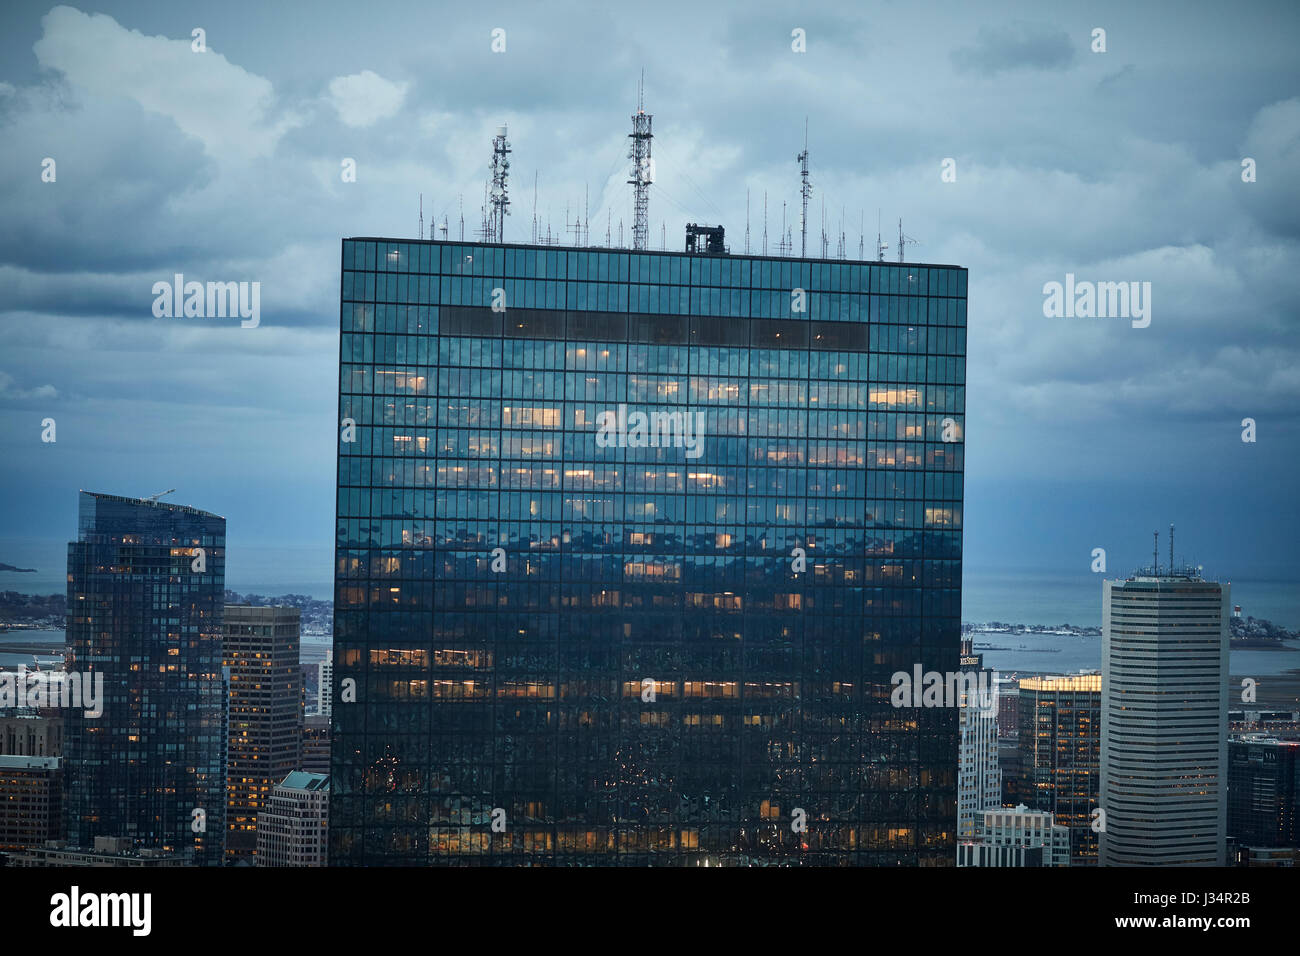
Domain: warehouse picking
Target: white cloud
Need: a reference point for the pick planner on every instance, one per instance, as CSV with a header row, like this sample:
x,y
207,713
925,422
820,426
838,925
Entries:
x,y
363,99
231,111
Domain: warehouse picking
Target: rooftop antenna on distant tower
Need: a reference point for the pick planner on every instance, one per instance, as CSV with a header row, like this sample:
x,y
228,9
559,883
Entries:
x,y
642,170
805,190
764,222
862,234
1155,554
881,245
421,232
609,236
663,236
1171,548
498,196
534,207
462,217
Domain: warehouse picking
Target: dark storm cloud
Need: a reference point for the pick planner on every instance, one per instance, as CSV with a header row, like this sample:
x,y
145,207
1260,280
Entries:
x,y
225,166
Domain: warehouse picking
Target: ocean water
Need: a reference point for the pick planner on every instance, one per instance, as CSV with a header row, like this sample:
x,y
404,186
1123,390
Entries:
x,y
1019,596
1053,654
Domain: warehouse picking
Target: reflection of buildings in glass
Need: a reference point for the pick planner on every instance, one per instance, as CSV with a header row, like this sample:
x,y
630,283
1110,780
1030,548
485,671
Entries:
x,y
146,586
1060,754
1263,787
610,642
1164,720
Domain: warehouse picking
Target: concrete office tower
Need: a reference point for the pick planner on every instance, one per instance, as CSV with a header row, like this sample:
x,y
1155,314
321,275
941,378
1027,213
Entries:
x,y
1060,754
1164,720
265,725
31,735
979,774
31,795
325,685
979,777
295,824
1019,837
146,583
629,546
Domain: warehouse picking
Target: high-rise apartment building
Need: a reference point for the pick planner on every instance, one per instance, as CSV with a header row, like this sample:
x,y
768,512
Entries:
x,y
295,823
1060,755
316,744
325,685
1164,720
1016,837
145,599
31,794
629,547
1263,790
265,722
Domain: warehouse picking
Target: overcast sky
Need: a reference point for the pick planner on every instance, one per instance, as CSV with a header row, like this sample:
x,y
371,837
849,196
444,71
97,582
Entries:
x,y
225,165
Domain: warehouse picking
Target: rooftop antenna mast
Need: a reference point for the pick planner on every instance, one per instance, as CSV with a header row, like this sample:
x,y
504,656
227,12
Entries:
x,y
499,197
642,169
534,207
764,222
881,245
444,228
462,217
862,234
421,232
1171,549
805,190
903,240
746,222
825,239
1155,554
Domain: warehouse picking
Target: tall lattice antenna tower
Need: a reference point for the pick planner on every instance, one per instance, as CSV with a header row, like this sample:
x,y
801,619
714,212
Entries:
x,y
764,222
421,232
497,193
642,170
881,245
805,190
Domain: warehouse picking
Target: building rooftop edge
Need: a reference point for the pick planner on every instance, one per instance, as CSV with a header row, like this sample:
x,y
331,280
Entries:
x,y
654,252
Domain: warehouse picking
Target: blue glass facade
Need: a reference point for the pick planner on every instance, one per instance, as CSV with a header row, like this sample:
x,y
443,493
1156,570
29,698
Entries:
x,y
630,544
145,611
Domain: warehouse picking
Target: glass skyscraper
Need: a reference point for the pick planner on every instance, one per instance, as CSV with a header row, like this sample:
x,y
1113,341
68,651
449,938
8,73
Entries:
x,y
629,546
146,583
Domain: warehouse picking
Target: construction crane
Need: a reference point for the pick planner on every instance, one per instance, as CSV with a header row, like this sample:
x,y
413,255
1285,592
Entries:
x,y
161,494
